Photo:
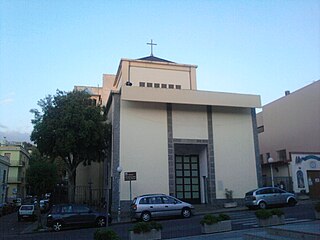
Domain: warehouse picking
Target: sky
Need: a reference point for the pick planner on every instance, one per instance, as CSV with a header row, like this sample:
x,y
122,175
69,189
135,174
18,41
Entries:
x,y
261,47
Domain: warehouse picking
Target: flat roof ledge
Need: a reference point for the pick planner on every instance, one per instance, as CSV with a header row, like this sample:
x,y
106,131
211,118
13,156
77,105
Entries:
x,y
193,97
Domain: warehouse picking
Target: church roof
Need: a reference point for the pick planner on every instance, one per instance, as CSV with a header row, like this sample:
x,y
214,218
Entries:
x,y
154,59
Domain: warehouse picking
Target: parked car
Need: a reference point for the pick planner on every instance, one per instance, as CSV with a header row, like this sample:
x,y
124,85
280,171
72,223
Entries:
x,y
268,196
26,212
69,215
150,206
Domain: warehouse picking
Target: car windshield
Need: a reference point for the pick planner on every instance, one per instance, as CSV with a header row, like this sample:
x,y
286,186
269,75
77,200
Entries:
x,y
250,193
26,207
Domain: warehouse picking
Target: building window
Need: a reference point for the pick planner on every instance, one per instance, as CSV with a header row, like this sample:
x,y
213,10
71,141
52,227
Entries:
x,y
4,176
149,84
282,155
261,158
261,129
8,155
171,86
157,85
142,84
178,86
163,85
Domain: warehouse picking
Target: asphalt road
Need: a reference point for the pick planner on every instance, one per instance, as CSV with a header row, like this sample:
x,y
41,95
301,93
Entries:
x,y
10,228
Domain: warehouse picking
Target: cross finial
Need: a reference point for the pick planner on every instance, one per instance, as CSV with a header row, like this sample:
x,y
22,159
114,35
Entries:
x,y
152,44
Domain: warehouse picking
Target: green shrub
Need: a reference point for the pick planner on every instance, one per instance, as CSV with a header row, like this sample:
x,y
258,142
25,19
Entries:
x,y
210,219
263,214
143,227
223,217
105,234
277,212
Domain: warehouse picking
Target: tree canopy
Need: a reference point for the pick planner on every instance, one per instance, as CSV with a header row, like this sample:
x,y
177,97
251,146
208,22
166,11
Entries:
x,y
71,126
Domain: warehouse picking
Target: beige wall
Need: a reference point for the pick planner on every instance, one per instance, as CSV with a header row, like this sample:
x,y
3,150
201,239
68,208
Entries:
x,y
235,166
92,173
292,123
144,148
189,122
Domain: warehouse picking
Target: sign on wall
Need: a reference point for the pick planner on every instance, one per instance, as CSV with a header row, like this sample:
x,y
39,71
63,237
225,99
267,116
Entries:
x,y
301,164
130,176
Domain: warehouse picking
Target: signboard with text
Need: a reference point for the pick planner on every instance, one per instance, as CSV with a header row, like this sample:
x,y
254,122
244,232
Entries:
x,y
130,176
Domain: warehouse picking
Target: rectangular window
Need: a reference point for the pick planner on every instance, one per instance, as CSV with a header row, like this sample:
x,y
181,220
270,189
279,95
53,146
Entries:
x,y
149,84
261,158
282,155
171,86
178,86
4,176
157,85
163,85
142,84
261,129
8,155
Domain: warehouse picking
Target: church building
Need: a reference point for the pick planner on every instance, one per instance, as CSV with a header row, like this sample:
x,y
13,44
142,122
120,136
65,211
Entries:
x,y
168,137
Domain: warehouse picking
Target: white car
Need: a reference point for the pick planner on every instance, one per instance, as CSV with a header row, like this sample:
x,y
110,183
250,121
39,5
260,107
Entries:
x,y
27,212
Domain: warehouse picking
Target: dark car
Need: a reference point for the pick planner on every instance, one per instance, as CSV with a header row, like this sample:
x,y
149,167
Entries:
x,y
70,215
267,196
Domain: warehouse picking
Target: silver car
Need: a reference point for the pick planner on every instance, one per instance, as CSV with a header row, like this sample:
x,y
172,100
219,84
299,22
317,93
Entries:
x,y
150,206
267,196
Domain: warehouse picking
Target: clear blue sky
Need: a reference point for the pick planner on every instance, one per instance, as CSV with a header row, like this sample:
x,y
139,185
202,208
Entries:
x,y
257,47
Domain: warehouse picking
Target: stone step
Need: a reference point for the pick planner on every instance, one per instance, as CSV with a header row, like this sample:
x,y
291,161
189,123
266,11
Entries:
x,y
295,234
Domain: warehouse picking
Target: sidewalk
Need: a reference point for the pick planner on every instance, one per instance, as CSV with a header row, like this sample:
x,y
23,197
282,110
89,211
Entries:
x,y
304,230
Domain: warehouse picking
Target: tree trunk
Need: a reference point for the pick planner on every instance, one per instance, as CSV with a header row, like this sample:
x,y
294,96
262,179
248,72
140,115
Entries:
x,y
71,186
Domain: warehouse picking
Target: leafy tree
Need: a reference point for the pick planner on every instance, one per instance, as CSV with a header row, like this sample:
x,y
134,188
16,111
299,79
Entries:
x,y
41,177
73,128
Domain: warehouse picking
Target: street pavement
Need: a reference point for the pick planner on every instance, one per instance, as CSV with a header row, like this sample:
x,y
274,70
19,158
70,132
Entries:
x,y
241,218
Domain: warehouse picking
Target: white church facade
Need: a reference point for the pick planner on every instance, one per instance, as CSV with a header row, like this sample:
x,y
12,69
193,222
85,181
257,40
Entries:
x,y
174,139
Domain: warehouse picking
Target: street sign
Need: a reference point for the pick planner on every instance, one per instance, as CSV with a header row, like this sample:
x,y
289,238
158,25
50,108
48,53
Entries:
x,y
130,176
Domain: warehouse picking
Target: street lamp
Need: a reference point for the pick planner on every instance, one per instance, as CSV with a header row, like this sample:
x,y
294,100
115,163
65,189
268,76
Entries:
x,y
270,161
119,170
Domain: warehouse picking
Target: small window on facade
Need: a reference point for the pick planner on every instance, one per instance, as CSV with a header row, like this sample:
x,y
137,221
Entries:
x,y
261,129
282,155
163,85
171,86
157,85
142,84
149,84
178,86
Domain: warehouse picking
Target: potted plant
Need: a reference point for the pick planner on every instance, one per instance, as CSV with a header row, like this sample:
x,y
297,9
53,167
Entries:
x,y
213,224
146,231
103,234
317,210
270,217
229,196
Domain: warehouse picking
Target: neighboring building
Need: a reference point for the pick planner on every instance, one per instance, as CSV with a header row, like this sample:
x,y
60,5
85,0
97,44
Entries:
x,y
174,139
19,162
289,133
4,169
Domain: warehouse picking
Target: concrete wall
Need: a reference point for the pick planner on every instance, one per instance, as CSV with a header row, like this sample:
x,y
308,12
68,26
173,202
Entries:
x,y
291,123
235,167
144,148
189,122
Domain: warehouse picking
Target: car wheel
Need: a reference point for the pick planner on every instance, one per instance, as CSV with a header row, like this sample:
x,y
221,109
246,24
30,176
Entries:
x,y
292,202
101,222
146,216
57,226
186,213
262,205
